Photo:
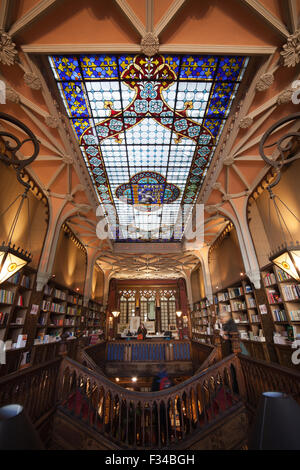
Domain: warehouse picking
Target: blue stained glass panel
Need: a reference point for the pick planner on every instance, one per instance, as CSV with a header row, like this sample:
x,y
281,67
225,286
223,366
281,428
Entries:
x,y
99,67
66,68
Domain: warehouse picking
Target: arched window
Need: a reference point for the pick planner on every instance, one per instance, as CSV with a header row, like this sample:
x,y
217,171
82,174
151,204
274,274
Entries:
x,y
148,305
127,305
167,309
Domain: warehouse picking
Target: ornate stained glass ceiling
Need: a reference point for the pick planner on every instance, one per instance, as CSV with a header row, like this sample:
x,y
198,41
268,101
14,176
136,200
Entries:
x,y
147,129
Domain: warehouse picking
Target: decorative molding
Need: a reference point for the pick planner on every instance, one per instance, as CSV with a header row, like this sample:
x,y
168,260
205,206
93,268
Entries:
x,y
5,9
150,44
291,50
166,19
246,122
292,8
31,16
212,209
264,82
8,51
134,20
134,48
32,81
267,17
41,280
255,277
149,15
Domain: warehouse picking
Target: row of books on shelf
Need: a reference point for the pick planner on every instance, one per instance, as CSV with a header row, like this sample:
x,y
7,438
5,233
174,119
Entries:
x,y
291,292
282,275
295,315
269,279
75,299
236,305
279,315
72,311
274,296
6,296
225,308
251,302
53,307
3,318
222,296
59,294
20,278
235,292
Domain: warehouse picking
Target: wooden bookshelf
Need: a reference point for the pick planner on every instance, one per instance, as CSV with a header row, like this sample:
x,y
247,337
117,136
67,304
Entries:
x,y
202,321
15,302
62,311
283,295
240,301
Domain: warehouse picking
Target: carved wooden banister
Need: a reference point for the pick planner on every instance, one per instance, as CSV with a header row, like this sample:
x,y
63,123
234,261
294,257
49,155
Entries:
x,y
261,376
140,419
33,388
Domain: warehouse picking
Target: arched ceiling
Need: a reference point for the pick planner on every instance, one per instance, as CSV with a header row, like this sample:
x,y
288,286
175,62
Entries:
x,y
267,30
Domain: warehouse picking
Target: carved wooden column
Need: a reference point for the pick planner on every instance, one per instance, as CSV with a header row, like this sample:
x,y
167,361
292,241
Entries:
x,y
235,342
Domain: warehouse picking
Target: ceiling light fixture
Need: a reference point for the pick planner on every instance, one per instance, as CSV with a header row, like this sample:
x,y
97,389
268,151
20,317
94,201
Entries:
x,y
13,258
287,255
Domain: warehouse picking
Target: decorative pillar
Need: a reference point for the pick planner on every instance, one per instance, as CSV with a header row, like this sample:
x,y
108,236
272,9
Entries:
x,y
112,295
184,307
252,270
202,255
92,255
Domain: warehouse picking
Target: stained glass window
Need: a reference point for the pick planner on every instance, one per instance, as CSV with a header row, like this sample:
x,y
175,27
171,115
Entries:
x,y
148,128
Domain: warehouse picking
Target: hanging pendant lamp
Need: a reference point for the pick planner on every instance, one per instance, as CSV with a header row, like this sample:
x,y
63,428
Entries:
x,y
13,258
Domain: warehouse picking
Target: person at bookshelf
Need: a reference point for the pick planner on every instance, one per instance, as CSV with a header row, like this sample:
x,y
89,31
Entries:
x,y
229,326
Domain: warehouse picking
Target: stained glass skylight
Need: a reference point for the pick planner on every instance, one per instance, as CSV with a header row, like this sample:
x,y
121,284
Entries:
x,y
147,129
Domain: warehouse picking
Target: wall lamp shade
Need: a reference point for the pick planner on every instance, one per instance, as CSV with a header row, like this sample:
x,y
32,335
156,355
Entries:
x,y
179,313
16,430
288,260
115,314
11,261
277,423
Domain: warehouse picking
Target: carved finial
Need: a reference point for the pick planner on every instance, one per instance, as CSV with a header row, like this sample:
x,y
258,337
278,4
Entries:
x,y
228,161
285,97
291,50
246,122
12,95
68,160
32,81
217,186
265,81
8,52
51,121
150,44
